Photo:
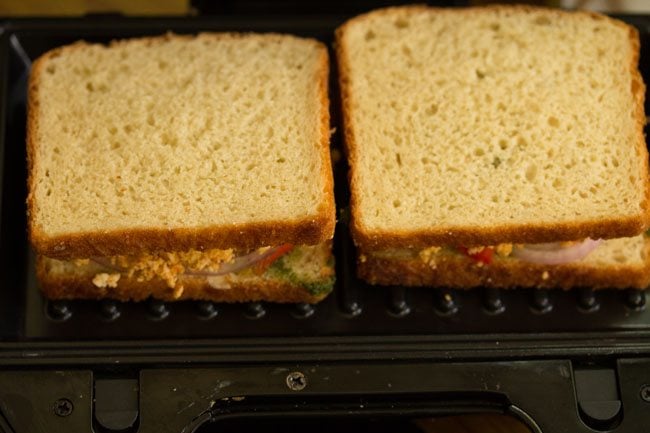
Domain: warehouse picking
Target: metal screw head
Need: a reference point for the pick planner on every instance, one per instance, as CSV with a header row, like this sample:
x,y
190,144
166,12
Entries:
x,y
63,407
645,393
296,381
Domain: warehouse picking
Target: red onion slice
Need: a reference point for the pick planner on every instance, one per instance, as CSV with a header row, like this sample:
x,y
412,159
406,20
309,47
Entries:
x,y
239,264
550,246
554,254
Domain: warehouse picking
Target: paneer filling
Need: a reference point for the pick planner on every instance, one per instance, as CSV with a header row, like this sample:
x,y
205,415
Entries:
x,y
554,253
311,267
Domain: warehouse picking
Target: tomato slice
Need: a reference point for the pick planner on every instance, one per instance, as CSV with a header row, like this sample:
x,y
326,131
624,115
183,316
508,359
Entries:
x,y
261,266
484,256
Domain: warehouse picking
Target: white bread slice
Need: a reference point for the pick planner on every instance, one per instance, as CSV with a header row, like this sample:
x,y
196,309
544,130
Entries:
x,y
493,124
177,142
617,263
304,275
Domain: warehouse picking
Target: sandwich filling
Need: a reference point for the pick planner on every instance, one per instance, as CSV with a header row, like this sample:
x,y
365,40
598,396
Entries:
x,y
310,267
555,253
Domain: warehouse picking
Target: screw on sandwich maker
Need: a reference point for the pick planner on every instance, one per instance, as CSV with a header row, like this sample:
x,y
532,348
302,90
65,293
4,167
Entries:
x,y
63,407
645,393
296,381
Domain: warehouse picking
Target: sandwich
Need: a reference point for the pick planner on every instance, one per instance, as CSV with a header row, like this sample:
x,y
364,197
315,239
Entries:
x,y
182,167
495,146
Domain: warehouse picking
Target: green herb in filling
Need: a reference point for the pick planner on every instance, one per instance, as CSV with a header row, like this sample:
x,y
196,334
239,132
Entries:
x,y
309,278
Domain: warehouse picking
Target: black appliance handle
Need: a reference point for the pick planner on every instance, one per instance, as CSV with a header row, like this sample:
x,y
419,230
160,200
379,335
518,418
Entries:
x,y
547,395
417,409
539,393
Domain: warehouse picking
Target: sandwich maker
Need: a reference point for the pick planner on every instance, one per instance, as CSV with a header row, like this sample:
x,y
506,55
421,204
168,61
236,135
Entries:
x,y
365,358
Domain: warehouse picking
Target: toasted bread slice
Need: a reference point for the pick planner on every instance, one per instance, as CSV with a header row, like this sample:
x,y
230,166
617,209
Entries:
x,y
177,142
493,124
617,263
304,275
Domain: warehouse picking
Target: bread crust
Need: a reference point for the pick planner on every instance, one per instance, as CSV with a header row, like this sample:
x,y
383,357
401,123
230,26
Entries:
x,y
606,228
79,285
461,272
242,237
304,230
479,236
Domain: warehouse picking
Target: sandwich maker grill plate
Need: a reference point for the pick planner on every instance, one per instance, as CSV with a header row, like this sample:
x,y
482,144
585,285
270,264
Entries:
x,y
574,361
